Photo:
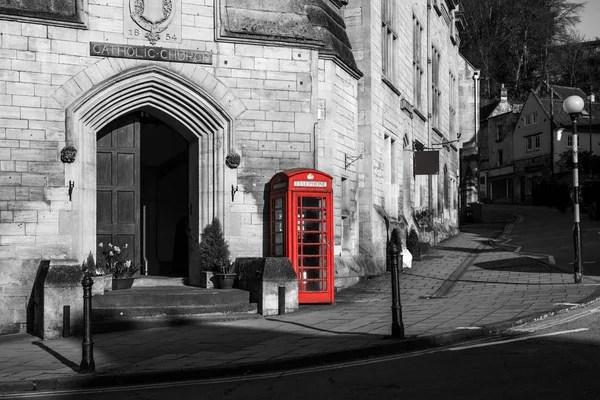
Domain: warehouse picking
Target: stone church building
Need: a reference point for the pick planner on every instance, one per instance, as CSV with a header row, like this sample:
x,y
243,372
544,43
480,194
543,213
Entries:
x,y
183,110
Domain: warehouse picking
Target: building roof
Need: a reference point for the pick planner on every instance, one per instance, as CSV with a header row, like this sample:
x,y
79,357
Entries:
x,y
561,118
487,110
562,92
304,22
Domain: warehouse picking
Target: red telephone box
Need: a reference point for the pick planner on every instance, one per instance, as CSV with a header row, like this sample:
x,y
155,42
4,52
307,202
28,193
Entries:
x,y
302,229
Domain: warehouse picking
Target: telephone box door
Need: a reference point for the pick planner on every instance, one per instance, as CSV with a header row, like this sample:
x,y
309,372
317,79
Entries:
x,y
313,249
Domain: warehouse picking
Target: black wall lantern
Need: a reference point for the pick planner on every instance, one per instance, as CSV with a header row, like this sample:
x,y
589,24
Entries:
x,y
67,154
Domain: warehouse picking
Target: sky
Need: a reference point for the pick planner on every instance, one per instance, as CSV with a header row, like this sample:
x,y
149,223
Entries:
x,y
590,20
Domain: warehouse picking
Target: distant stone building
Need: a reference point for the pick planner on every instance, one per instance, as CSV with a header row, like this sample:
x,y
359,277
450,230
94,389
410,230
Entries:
x,y
537,147
498,120
524,146
181,111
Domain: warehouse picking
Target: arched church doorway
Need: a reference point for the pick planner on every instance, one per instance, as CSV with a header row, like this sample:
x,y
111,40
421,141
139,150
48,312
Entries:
x,y
143,192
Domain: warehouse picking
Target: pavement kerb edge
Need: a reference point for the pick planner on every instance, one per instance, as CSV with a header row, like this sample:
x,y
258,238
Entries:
x,y
386,347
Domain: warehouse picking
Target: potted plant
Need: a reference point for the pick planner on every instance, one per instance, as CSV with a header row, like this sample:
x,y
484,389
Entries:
x,y
422,216
213,254
412,243
116,263
226,275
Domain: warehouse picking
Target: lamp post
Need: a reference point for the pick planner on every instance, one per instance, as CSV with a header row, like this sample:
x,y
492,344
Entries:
x,y
573,106
394,252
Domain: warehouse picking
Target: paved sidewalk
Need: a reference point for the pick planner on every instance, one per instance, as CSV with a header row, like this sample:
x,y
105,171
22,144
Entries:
x,y
463,288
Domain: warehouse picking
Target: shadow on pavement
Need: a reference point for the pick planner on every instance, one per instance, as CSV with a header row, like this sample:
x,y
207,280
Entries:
x,y
520,264
317,329
58,356
469,250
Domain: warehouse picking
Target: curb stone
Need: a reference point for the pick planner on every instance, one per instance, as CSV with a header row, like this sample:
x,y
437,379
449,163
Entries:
x,y
388,347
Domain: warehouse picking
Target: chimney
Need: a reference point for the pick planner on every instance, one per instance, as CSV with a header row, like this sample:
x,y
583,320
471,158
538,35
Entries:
x,y
503,94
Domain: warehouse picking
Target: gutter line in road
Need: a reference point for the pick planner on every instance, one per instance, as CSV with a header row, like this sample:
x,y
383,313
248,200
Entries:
x,y
516,339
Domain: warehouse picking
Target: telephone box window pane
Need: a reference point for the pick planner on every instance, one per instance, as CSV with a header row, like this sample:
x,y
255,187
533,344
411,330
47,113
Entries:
x,y
279,238
314,286
312,262
312,238
314,273
311,214
310,250
278,203
312,226
278,215
278,226
279,250
311,202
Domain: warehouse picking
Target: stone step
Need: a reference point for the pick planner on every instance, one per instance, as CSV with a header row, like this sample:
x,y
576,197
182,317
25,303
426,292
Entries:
x,y
149,306
169,295
153,281
123,324
107,313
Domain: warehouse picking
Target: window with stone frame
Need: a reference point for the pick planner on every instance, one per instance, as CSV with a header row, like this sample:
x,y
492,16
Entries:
x,y
436,92
453,95
390,173
417,62
346,228
499,132
389,41
446,188
59,12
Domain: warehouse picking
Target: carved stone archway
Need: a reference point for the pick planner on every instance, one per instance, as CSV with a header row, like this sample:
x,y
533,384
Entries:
x,y
203,112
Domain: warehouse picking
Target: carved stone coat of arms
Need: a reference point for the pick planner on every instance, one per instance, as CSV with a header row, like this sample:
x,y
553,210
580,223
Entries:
x,y
154,17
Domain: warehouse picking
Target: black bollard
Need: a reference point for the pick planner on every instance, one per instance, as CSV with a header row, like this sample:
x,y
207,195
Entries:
x,y
281,299
66,321
87,347
397,325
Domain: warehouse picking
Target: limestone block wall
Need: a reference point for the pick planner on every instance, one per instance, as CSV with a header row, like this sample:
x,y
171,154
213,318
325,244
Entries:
x,y
468,100
392,112
278,87
264,99
338,145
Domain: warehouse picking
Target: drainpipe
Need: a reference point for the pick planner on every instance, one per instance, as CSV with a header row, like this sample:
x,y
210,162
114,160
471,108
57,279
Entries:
x,y
429,106
476,125
316,147
552,136
590,129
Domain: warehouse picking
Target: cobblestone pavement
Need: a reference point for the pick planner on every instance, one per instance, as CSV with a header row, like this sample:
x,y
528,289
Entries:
x,y
462,288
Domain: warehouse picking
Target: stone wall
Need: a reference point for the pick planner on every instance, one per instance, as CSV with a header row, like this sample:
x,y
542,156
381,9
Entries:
x,y
390,121
278,100
262,95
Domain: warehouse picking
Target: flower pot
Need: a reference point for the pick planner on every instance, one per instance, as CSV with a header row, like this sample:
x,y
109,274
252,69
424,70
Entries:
x,y
108,282
122,283
206,280
224,281
99,284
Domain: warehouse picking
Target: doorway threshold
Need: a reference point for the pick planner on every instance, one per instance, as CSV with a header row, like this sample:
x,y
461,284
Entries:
x,y
157,280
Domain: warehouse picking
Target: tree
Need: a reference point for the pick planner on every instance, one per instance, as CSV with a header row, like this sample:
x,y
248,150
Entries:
x,y
587,161
576,62
510,40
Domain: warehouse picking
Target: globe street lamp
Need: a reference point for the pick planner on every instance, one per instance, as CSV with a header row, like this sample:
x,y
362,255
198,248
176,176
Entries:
x,y
573,106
